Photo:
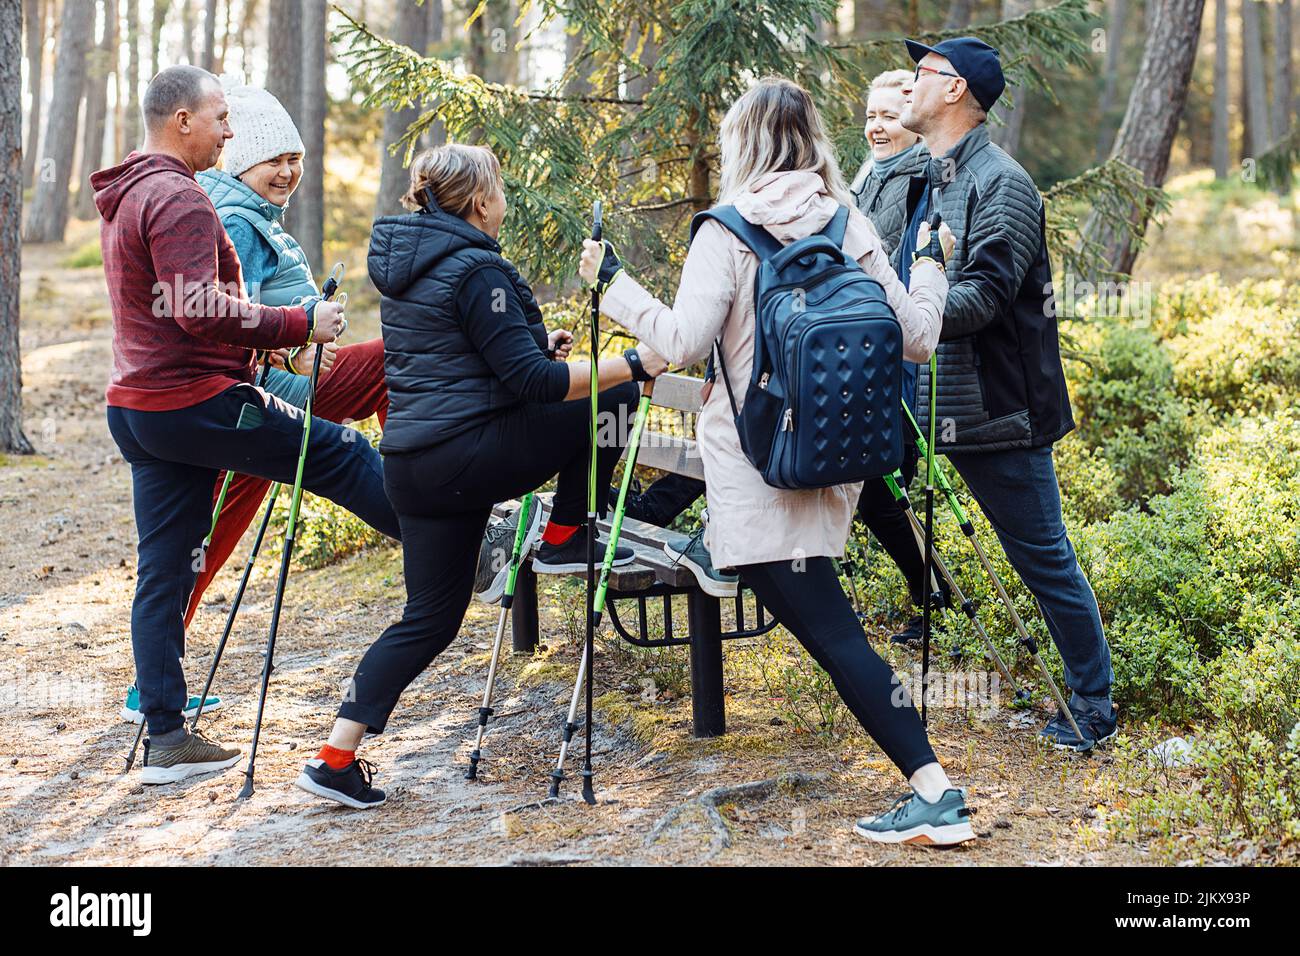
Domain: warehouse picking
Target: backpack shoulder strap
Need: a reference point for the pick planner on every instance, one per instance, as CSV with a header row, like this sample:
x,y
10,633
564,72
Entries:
x,y
759,241
838,225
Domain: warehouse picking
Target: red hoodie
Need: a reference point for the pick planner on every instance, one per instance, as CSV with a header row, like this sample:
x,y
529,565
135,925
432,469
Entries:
x,y
182,329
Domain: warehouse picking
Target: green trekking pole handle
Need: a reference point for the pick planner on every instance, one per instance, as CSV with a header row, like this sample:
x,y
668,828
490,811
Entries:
x,y
616,526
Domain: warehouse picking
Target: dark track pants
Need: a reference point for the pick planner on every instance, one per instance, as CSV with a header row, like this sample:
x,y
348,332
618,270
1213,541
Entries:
x,y
444,496
175,457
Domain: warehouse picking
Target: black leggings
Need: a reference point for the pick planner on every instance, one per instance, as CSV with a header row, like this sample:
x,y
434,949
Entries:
x,y
813,607
443,497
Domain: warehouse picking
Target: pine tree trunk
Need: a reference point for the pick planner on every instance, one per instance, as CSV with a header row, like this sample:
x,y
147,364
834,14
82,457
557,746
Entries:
x,y
412,29
1252,53
246,32
1220,129
1114,44
1282,76
1008,135
208,54
310,221
160,8
92,136
187,32
34,14
436,134
959,15
574,49
284,74
12,438
48,216
1155,107
132,120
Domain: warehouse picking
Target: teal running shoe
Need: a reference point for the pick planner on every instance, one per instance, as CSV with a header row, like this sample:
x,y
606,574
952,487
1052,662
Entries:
x,y
946,822
690,552
132,713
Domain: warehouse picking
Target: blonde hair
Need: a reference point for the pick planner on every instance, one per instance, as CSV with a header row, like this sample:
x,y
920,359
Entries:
x,y
457,175
775,127
890,80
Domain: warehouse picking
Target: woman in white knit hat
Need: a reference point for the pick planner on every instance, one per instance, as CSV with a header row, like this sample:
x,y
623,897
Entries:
x,y
262,168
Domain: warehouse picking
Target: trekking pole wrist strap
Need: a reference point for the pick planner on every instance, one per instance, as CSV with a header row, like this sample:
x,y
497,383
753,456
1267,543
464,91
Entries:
x,y
639,374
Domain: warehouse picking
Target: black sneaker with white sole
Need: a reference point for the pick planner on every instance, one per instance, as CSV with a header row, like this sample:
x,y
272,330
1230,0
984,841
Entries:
x,y
1097,729
498,545
349,786
571,557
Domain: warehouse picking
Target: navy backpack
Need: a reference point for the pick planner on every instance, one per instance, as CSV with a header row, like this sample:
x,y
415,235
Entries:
x,y
822,407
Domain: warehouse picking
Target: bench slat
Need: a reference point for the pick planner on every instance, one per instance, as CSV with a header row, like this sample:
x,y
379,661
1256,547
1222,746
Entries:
x,y
680,392
671,453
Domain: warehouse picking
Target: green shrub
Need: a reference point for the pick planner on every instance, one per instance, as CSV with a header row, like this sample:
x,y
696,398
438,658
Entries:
x,y
1242,781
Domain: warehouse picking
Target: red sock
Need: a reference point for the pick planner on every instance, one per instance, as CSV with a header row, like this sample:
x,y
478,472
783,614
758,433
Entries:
x,y
336,759
558,533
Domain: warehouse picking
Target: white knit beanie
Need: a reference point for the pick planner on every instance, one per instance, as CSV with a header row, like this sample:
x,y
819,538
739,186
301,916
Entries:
x,y
262,128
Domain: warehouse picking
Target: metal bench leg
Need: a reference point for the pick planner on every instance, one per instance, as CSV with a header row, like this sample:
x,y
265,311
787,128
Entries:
x,y
523,615
708,708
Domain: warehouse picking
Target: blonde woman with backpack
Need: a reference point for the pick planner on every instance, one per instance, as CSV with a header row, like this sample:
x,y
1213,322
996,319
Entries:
x,y
779,172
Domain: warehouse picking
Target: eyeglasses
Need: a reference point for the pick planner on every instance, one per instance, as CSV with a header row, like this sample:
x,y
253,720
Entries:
x,y
916,77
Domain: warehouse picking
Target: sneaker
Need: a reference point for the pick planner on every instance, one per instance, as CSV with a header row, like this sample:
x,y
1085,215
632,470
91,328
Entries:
x,y
691,553
911,634
495,551
1097,729
571,557
131,709
194,754
946,822
349,786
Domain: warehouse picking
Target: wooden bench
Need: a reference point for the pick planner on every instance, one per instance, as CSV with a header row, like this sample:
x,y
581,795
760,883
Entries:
x,y
653,574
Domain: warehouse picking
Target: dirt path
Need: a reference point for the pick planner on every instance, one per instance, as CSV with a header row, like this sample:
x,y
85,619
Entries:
x,y
66,577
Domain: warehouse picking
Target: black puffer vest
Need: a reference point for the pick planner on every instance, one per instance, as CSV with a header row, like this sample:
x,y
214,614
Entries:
x,y
438,384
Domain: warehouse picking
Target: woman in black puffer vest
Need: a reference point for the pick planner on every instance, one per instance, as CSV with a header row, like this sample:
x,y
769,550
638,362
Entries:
x,y
479,412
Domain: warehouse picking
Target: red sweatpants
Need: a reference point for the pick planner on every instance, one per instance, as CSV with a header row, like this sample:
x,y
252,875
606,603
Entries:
x,y
353,390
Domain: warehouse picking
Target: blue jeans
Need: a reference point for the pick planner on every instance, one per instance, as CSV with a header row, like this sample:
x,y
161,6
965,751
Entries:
x,y
175,457
1018,493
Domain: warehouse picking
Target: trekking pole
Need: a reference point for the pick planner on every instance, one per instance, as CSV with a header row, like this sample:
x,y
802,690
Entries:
x,y
927,561
585,664
327,292
602,587
212,529
291,527
968,529
516,558
966,604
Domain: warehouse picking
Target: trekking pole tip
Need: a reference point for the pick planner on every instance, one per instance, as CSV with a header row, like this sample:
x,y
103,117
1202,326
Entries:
x,y
247,790
588,790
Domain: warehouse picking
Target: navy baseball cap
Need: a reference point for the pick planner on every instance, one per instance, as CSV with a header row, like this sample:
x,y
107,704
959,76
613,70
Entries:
x,y
975,62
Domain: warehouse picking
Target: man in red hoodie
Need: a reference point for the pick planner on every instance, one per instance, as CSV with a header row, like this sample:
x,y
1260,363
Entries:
x,y
181,403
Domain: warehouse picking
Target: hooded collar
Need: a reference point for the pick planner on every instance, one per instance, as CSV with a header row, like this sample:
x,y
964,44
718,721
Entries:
x,y
791,205
403,248
113,183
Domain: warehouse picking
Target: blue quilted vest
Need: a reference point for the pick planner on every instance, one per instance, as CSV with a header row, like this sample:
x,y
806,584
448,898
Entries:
x,y
292,279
